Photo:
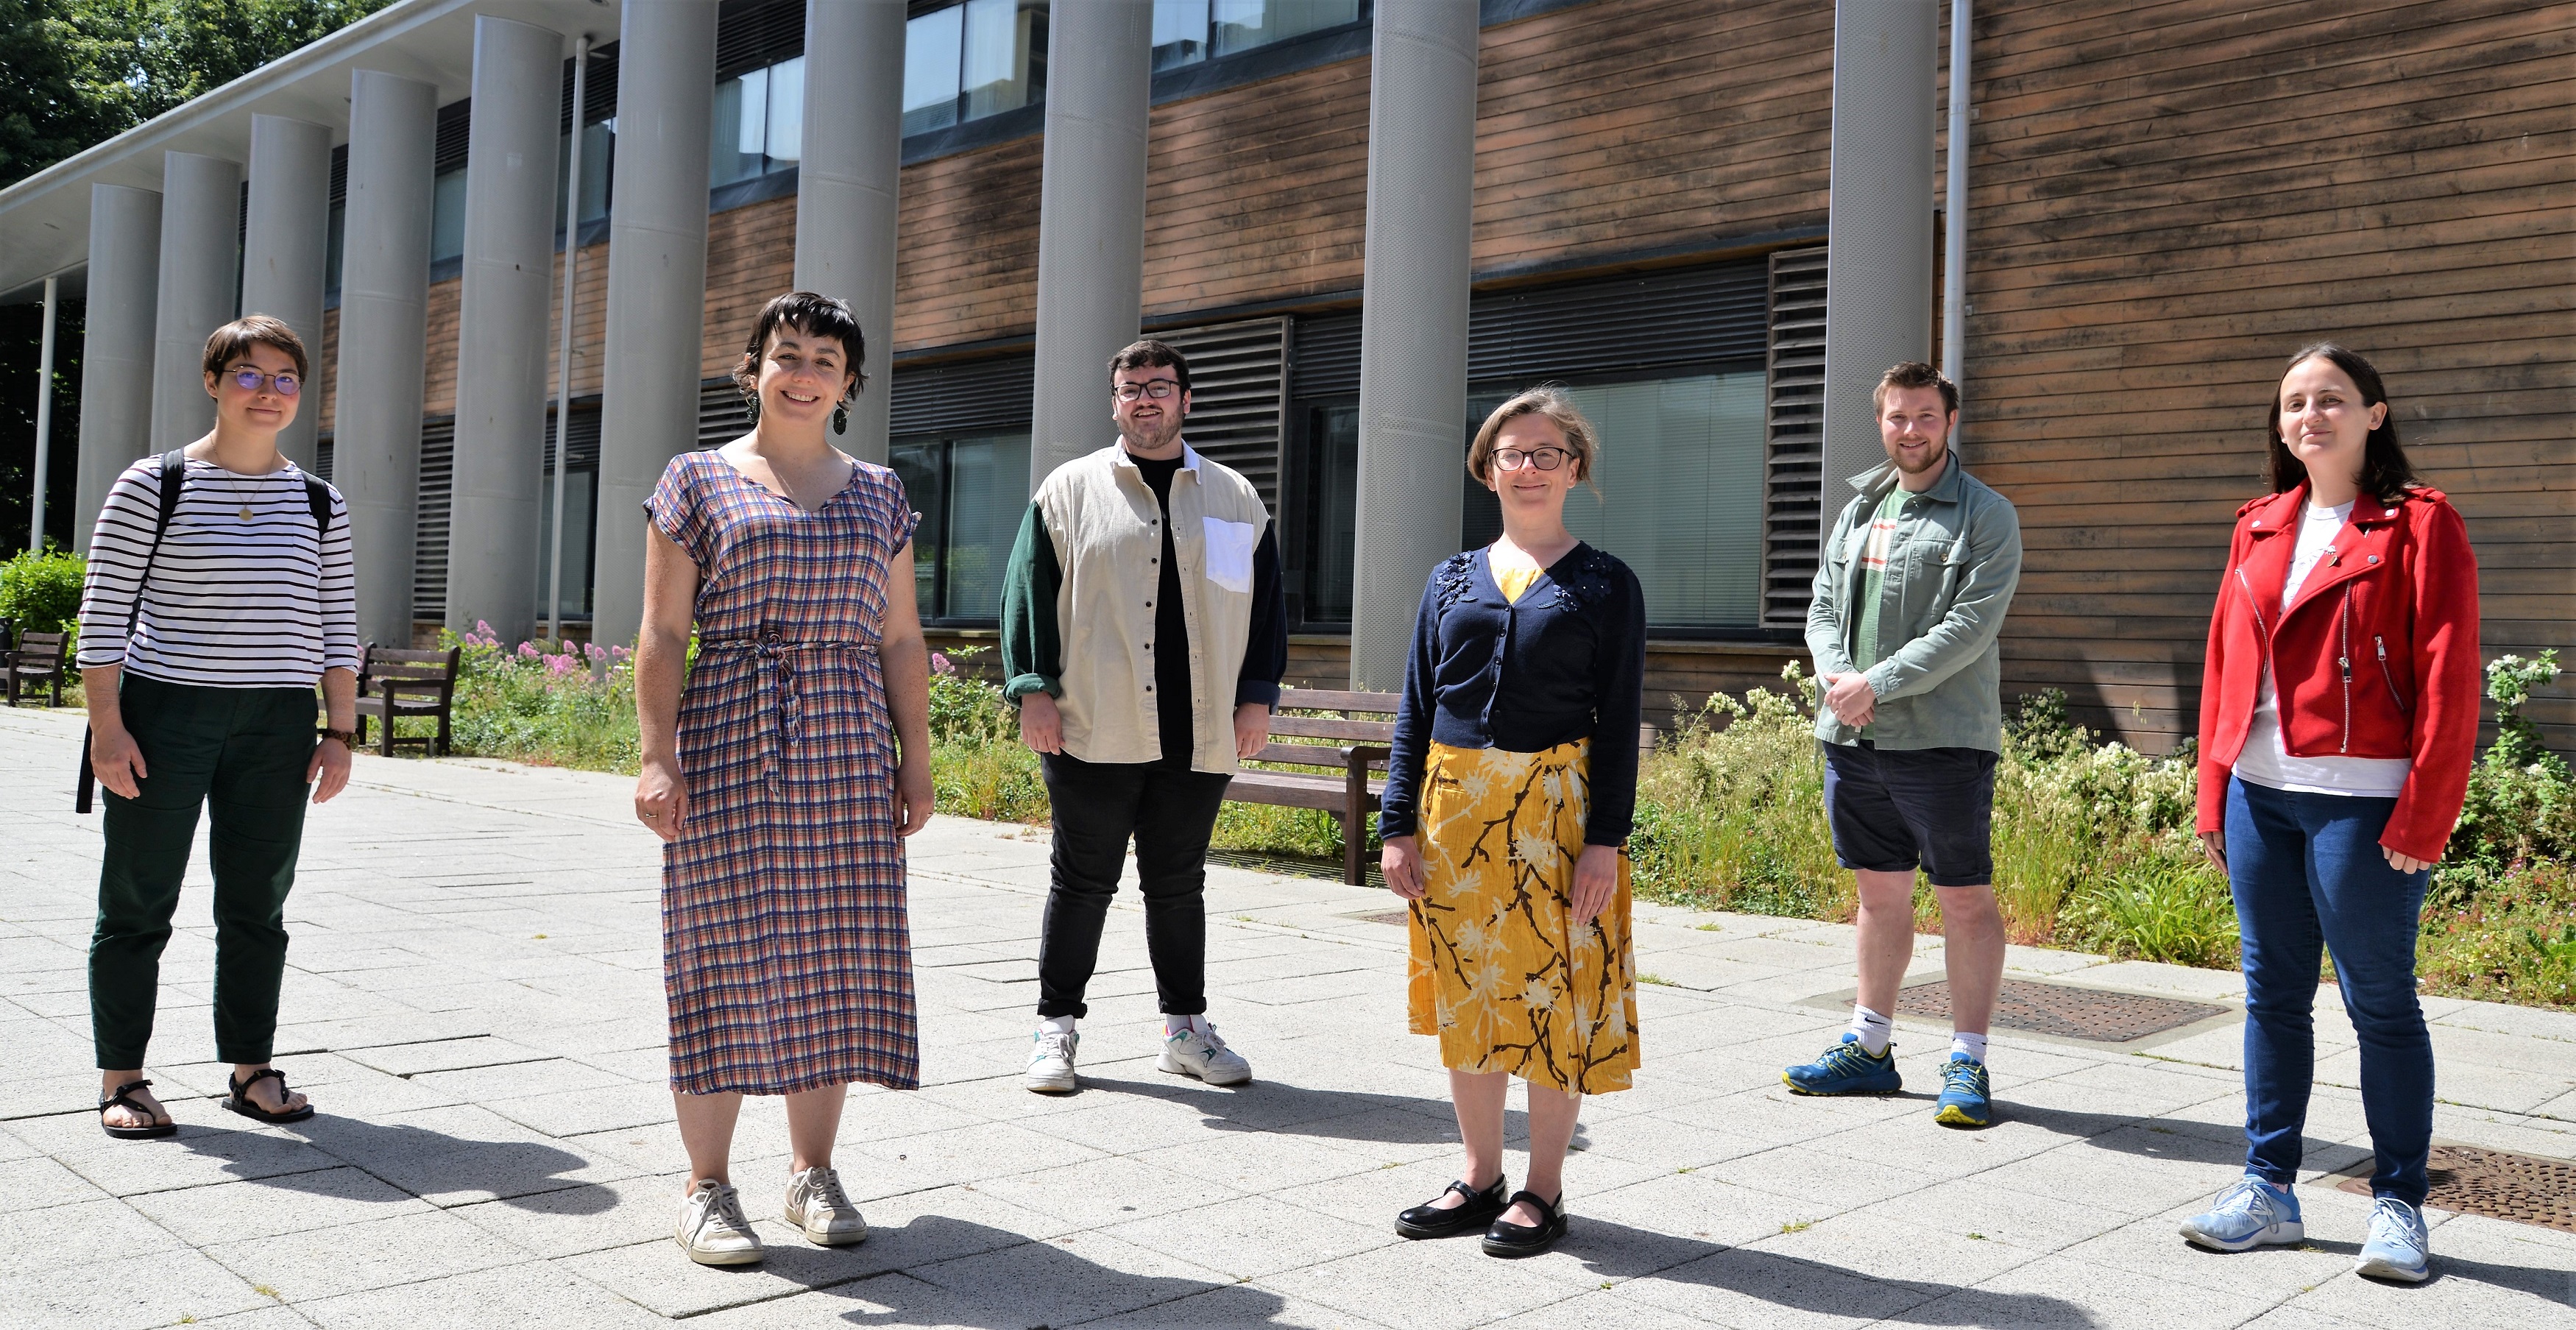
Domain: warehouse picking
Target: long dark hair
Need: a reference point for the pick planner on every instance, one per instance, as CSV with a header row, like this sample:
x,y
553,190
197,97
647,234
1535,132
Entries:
x,y
2385,474
814,315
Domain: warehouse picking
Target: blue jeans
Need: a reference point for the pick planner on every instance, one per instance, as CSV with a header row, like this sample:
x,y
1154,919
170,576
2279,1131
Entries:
x,y
2307,870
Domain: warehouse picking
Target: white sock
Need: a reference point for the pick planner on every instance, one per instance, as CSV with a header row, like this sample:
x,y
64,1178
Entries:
x,y
1974,1045
1872,1029
1056,1025
1173,1025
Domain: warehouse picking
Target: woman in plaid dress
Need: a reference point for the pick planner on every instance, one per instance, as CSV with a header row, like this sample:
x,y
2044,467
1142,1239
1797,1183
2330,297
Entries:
x,y
785,775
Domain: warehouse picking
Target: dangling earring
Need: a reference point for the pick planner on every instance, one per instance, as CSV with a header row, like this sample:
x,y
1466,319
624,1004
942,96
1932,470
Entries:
x,y
751,404
841,418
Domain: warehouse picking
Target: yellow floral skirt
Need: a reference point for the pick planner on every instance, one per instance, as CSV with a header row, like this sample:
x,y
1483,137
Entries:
x,y
1501,972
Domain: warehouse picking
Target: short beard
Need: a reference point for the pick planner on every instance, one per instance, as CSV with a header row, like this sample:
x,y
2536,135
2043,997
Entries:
x,y
1138,441
1939,455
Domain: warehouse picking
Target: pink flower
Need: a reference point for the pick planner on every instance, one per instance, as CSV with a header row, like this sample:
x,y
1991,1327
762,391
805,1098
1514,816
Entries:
x,y
484,627
591,650
940,664
528,651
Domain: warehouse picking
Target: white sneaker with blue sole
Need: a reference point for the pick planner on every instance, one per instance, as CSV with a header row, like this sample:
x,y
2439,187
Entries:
x,y
2253,1213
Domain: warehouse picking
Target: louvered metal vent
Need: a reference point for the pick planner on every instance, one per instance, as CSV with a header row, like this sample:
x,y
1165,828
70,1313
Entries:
x,y
986,396
1236,406
429,533
455,126
1618,325
585,436
1794,458
1326,357
724,414
754,33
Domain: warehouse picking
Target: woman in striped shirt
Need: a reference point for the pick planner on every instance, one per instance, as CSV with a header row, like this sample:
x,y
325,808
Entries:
x,y
203,631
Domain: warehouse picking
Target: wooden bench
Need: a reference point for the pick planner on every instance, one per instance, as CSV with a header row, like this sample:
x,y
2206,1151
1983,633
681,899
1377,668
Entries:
x,y
35,663
398,682
1351,794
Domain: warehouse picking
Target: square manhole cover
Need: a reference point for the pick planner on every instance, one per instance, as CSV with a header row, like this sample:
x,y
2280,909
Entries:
x,y
2067,1012
2526,1189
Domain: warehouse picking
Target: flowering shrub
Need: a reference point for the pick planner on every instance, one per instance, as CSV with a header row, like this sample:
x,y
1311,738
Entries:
x,y
573,706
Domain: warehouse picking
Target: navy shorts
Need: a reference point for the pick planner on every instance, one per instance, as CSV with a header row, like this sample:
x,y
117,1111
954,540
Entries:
x,y
1899,809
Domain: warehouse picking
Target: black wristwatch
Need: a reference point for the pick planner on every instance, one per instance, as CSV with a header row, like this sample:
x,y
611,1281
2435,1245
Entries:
x,y
348,738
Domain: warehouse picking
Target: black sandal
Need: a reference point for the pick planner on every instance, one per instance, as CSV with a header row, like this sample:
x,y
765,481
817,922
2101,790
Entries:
x,y
1514,1240
160,1127
239,1100
1431,1221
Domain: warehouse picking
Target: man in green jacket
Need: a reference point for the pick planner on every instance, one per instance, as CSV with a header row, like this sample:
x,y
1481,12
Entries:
x,y
1909,598
1144,633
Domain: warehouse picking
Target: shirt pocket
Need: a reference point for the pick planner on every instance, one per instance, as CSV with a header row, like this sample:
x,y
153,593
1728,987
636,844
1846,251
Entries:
x,y
1229,553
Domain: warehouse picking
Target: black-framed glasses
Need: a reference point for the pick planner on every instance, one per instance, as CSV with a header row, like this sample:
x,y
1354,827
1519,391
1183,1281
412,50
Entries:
x,y
1158,389
1545,459
252,381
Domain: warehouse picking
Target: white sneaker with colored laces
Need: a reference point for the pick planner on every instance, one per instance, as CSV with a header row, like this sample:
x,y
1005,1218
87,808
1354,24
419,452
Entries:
x,y
816,1204
713,1230
1197,1052
1051,1061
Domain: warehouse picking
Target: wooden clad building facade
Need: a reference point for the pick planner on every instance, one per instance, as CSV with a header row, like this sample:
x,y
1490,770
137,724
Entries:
x,y
2167,197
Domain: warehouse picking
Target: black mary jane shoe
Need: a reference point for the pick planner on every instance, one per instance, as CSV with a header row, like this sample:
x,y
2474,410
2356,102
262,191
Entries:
x,y
239,1100
160,1127
1508,1239
1477,1210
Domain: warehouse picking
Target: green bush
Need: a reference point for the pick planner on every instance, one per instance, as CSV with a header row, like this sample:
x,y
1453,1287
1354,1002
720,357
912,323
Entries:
x,y
40,590
1729,810
978,766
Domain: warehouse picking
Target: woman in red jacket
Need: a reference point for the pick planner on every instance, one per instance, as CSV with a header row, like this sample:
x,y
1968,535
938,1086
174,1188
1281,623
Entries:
x,y
2338,719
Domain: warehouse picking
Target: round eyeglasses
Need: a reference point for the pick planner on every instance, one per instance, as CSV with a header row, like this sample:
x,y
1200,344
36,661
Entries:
x,y
252,381
1159,390
1545,459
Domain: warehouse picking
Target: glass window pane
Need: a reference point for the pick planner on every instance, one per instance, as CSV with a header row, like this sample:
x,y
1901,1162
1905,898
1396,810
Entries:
x,y
1180,32
447,216
598,149
988,493
997,56
917,465
1333,438
932,44
331,260
1244,24
1681,501
752,135
725,161
786,112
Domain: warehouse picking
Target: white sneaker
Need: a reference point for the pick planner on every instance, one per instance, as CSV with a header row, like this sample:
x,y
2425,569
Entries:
x,y
816,1204
713,1230
1196,1052
1051,1061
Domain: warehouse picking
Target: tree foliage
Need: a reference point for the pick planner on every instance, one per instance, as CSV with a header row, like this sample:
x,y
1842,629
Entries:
x,y
82,71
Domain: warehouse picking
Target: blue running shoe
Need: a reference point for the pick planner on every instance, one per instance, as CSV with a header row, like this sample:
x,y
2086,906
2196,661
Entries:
x,y
2253,1213
1846,1068
2398,1248
1963,1094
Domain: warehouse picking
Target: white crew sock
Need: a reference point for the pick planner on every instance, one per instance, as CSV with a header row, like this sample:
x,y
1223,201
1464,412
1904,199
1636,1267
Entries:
x,y
1872,1029
1974,1045
1056,1025
1173,1025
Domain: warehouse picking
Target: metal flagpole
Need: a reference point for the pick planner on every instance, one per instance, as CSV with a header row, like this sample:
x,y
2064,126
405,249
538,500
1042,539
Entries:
x,y
44,423
563,358
1954,274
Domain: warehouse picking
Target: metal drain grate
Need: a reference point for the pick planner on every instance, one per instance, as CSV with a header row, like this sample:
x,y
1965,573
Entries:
x,y
1385,917
2523,1188
2068,1013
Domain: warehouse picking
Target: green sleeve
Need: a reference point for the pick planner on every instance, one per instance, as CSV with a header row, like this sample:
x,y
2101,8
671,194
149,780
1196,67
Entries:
x,y
1032,641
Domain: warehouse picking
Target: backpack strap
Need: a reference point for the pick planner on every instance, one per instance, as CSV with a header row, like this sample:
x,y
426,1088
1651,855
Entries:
x,y
317,496
173,478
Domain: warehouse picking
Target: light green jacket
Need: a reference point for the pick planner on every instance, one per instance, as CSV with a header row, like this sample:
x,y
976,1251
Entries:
x,y
1951,570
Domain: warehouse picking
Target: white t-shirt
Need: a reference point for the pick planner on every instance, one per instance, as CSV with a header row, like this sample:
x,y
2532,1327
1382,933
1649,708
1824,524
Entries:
x,y
2265,761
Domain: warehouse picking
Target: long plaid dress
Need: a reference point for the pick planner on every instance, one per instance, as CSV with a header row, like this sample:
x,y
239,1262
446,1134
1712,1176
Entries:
x,y
785,949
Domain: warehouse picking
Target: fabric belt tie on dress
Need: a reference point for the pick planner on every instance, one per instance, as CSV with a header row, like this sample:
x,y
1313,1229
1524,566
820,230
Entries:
x,y
777,679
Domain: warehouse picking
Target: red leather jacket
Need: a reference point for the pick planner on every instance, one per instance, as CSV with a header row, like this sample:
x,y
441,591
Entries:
x,y
2377,656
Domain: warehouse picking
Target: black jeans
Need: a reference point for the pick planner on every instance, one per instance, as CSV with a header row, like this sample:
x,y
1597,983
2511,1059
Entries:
x,y
242,751
1170,810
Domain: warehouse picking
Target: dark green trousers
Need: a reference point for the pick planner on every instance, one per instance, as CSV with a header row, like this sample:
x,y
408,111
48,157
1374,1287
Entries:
x,y
244,750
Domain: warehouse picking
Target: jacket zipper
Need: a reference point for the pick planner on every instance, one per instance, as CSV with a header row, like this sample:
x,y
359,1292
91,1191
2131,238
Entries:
x,y
2391,679
2343,661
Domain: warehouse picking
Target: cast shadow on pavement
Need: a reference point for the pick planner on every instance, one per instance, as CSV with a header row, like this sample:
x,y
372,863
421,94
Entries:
x,y
2558,1286
2151,1139
1276,1107
1804,1287
425,1163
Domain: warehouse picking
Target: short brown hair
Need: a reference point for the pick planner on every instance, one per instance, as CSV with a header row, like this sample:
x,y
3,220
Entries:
x,y
250,330
815,315
1150,354
1913,374
1545,400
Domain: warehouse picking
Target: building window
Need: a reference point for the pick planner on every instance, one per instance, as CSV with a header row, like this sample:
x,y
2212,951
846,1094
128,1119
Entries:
x,y
759,123
1189,31
447,216
966,61
598,150
971,493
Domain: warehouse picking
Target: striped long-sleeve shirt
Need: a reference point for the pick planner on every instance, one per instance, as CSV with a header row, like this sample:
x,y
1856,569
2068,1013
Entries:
x,y
244,593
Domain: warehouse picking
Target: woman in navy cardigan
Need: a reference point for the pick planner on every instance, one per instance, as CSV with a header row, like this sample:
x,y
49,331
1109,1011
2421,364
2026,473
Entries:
x,y
1508,801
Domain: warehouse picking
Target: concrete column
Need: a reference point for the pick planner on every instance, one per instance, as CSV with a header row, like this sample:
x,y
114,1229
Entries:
x,y
1878,274
44,421
286,248
384,336
116,344
845,186
1413,321
200,262
1091,219
657,282
501,339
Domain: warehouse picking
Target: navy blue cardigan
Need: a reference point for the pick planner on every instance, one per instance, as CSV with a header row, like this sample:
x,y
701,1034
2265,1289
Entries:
x,y
1568,662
